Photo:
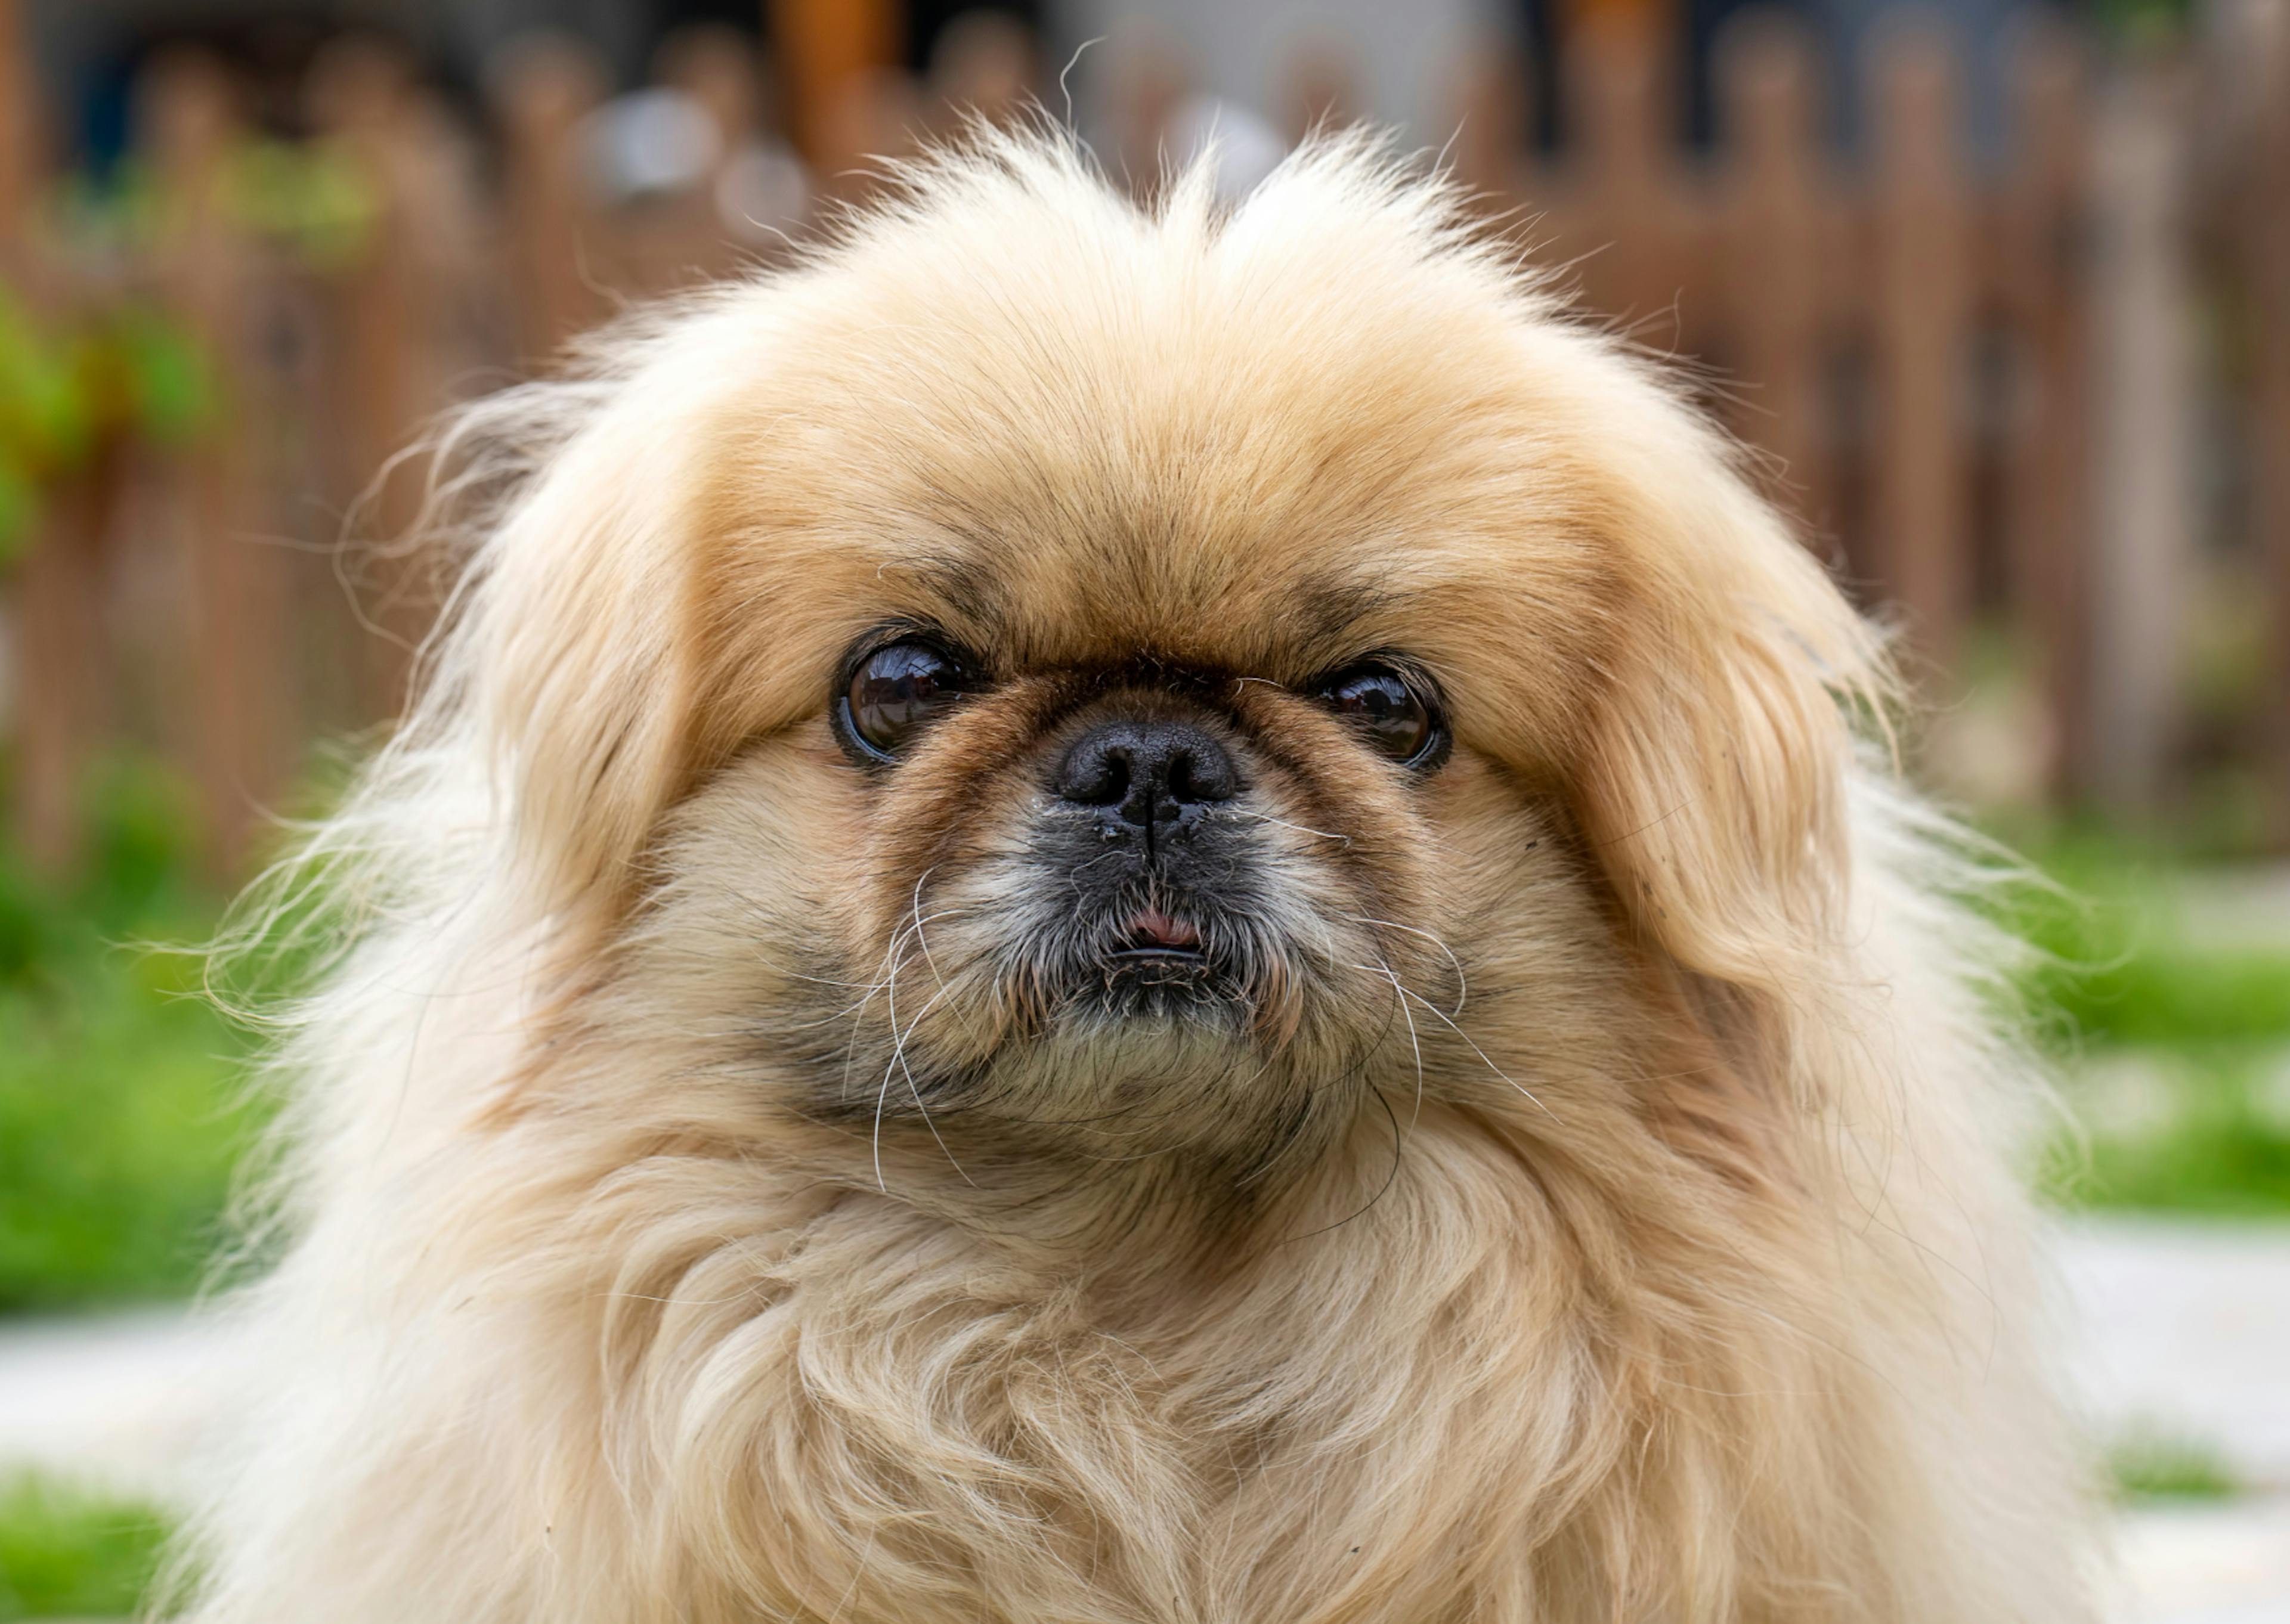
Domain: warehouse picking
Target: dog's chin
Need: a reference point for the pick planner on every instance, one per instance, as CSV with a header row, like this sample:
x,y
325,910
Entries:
x,y
1182,1077
1126,1050
1143,959
1242,999
1156,985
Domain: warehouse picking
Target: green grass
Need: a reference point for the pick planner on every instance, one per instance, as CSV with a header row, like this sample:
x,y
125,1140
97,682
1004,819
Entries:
x,y
2152,1467
2115,974
121,1112
2209,1139
66,1552
2118,978
119,1129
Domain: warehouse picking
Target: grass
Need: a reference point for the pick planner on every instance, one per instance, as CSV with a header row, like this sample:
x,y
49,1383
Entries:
x,y
2206,1025
121,1116
2210,1135
2152,1467
66,1552
2111,978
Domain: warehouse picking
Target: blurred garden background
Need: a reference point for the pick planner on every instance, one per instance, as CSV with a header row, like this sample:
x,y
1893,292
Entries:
x,y
2000,288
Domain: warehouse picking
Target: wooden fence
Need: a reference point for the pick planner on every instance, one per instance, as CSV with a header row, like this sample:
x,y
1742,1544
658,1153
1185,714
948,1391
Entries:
x,y
2044,392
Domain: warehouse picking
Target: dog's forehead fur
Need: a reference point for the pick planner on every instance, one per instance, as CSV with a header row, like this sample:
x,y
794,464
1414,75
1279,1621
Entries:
x,y
1321,425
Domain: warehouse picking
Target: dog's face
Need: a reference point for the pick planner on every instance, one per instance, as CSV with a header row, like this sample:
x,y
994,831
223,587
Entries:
x,y
1054,682
1073,878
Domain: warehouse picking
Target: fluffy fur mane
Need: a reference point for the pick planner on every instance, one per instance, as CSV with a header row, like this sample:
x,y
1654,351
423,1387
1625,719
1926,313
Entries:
x,y
559,1337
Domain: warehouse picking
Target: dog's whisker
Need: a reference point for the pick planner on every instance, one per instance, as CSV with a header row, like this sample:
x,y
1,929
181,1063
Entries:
x,y
1413,1041
1471,1042
1262,817
893,956
1462,986
915,910
1398,1152
898,1062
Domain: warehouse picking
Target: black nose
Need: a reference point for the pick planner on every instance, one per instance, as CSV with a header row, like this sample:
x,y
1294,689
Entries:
x,y
1151,779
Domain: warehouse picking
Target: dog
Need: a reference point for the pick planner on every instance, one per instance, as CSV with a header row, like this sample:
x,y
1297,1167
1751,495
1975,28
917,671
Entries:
x,y
1142,913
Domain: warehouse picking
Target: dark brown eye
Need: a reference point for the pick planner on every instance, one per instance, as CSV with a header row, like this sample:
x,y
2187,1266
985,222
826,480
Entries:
x,y
1389,711
897,688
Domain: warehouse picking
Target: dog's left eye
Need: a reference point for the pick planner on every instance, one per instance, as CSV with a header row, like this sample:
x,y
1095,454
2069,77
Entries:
x,y
1389,711
897,688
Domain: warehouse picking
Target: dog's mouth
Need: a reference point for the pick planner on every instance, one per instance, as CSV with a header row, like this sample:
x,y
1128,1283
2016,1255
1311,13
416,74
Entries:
x,y
1154,935
1161,958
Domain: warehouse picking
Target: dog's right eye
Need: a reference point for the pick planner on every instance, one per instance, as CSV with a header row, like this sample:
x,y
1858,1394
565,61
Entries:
x,y
896,690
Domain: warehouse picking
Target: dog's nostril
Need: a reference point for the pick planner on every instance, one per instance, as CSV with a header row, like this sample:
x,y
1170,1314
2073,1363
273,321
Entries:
x,y
1146,770
1094,774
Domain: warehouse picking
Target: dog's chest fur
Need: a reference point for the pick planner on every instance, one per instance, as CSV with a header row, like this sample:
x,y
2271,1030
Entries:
x,y
1431,1406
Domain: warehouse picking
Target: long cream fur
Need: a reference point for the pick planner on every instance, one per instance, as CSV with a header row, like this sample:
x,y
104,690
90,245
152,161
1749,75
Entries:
x,y
1658,1261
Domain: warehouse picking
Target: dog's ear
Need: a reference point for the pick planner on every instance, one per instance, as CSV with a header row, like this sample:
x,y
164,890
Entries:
x,y
585,670
572,668
1711,782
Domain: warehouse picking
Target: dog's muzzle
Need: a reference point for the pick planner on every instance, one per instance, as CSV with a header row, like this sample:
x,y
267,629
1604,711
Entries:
x,y
1147,822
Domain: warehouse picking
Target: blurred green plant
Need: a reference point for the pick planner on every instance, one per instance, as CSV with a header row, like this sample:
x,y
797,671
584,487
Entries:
x,y
42,420
122,1112
68,1552
120,367
125,369
311,197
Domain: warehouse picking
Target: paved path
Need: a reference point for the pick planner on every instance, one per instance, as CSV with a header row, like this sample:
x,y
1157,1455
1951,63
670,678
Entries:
x,y
115,1399
2235,908
2185,1331
2186,1335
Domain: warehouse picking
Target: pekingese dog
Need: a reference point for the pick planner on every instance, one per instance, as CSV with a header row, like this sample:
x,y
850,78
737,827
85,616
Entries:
x,y
1104,914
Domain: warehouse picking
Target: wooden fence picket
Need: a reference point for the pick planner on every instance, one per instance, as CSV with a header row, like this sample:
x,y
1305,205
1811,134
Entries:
x,y
21,139
827,48
63,676
236,734
547,88
1321,90
1773,202
2265,219
984,66
2142,533
59,658
1623,211
682,241
1492,102
1921,245
383,316
2045,234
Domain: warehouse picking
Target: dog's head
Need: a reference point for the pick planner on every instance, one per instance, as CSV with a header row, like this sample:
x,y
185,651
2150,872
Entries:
x,y
1047,676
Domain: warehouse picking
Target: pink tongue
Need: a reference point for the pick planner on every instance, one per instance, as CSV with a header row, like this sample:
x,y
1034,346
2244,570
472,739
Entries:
x,y
1152,925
